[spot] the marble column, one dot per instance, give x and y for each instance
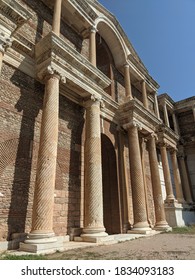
(93, 221)
(186, 182)
(5, 43)
(177, 178)
(137, 180)
(175, 123)
(156, 108)
(127, 78)
(161, 223)
(166, 115)
(42, 219)
(92, 46)
(167, 177)
(143, 152)
(57, 17)
(144, 94)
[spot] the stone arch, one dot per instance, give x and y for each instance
(111, 207)
(114, 39)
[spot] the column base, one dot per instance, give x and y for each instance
(94, 235)
(141, 228)
(44, 245)
(162, 226)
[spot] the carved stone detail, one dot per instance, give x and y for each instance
(5, 42)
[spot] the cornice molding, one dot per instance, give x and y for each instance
(12, 14)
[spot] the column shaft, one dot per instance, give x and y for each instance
(92, 46)
(127, 78)
(57, 17)
(144, 94)
(93, 225)
(186, 182)
(166, 115)
(167, 177)
(137, 181)
(156, 186)
(177, 178)
(156, 108)
(175, 124)
(42, 220)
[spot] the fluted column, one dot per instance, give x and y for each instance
(127, 78)
(92, 46)
(42, 219)
(156, 186)
(144, 94)
(93, 224)
(167, 177)
(137, 180)
(5, 42)
(184, 173)
(57, 17)
(177, 178)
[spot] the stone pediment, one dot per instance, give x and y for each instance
(52, 51)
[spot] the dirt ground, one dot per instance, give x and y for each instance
(159, 247)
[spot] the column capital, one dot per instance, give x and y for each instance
(93, 29)
(173, 150)
(5, 42)
(132, 124)
(126, 65)
(51, 71)
(163, 144)
(152, 135)
(94, 99)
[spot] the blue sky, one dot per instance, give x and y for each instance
(163, 34)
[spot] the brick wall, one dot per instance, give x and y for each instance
(20, 120)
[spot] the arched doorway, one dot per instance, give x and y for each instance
(110, 187)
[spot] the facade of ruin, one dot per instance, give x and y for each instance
(88, 148)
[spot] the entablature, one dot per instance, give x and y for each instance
(134, 110)
(79, 72)
(167, 136)
(13, 15)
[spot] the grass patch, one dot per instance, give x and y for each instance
(22, 257)
(183, 230)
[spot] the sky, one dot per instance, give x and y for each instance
(163, 34)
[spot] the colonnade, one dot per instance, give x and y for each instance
(42, 219)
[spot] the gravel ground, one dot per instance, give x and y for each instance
(159, 247)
